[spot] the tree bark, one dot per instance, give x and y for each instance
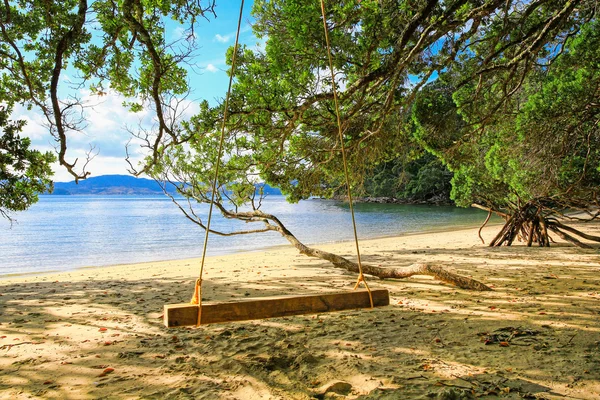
(554, 222)
(435, 271)
(569, 238)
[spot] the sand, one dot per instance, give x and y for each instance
(98, 333)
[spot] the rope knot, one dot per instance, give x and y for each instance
(197, 292)
(361, 278)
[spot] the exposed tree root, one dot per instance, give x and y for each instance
(531, 224)
(569, 238)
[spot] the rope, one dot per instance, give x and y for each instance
(197, 297)
(361, 277)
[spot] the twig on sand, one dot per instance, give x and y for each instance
(442, 383)
(569, 342)
(475, 383)
(10, 346)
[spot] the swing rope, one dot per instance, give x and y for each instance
(197, 297)
(361, 277)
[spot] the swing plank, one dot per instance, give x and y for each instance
(270, 307)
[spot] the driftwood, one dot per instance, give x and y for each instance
(11, 345)
(435, 271)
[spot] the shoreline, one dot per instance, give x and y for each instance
(98, 332)
(287, 246)
(159, 232)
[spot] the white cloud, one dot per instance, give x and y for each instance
(213, 65)
(228, 37)
(223, 39)
(106, 130)
(34, 123)
(211, 68)
(178, 33)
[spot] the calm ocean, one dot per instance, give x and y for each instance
(66, 232)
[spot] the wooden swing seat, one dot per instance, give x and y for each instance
(186, 314)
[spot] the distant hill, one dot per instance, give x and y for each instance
(118, 185)
(109, 185)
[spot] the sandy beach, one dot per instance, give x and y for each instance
(98, 332)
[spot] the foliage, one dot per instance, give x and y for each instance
(282, 110)
(103, 45)
(559, 125)
(422, 179)
(455, 77)
(441, 130)
(23, 172)
(541, 144)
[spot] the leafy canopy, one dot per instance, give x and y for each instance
(476, 53)
(541, 143)
(119, 45)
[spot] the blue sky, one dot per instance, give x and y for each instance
(214, 37)
(108, 121)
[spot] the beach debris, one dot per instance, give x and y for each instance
(504, 336)
(130, 354)
(452, 393)
(490, 384)
(11, 345)
(106, 371)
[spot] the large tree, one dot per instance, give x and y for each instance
(383, 54)
(190, 168)
(532, 157)
(282, 126)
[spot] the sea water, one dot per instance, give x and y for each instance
(66, 232)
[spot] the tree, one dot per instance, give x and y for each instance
(536, 157)
(103, 45)
(476, 55)
(383, 54)
(282, 127)
(23, 172)
(421, 179)
(190, 169)
(557, 129)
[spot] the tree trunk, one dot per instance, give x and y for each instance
(272, 223)
(435, 271)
